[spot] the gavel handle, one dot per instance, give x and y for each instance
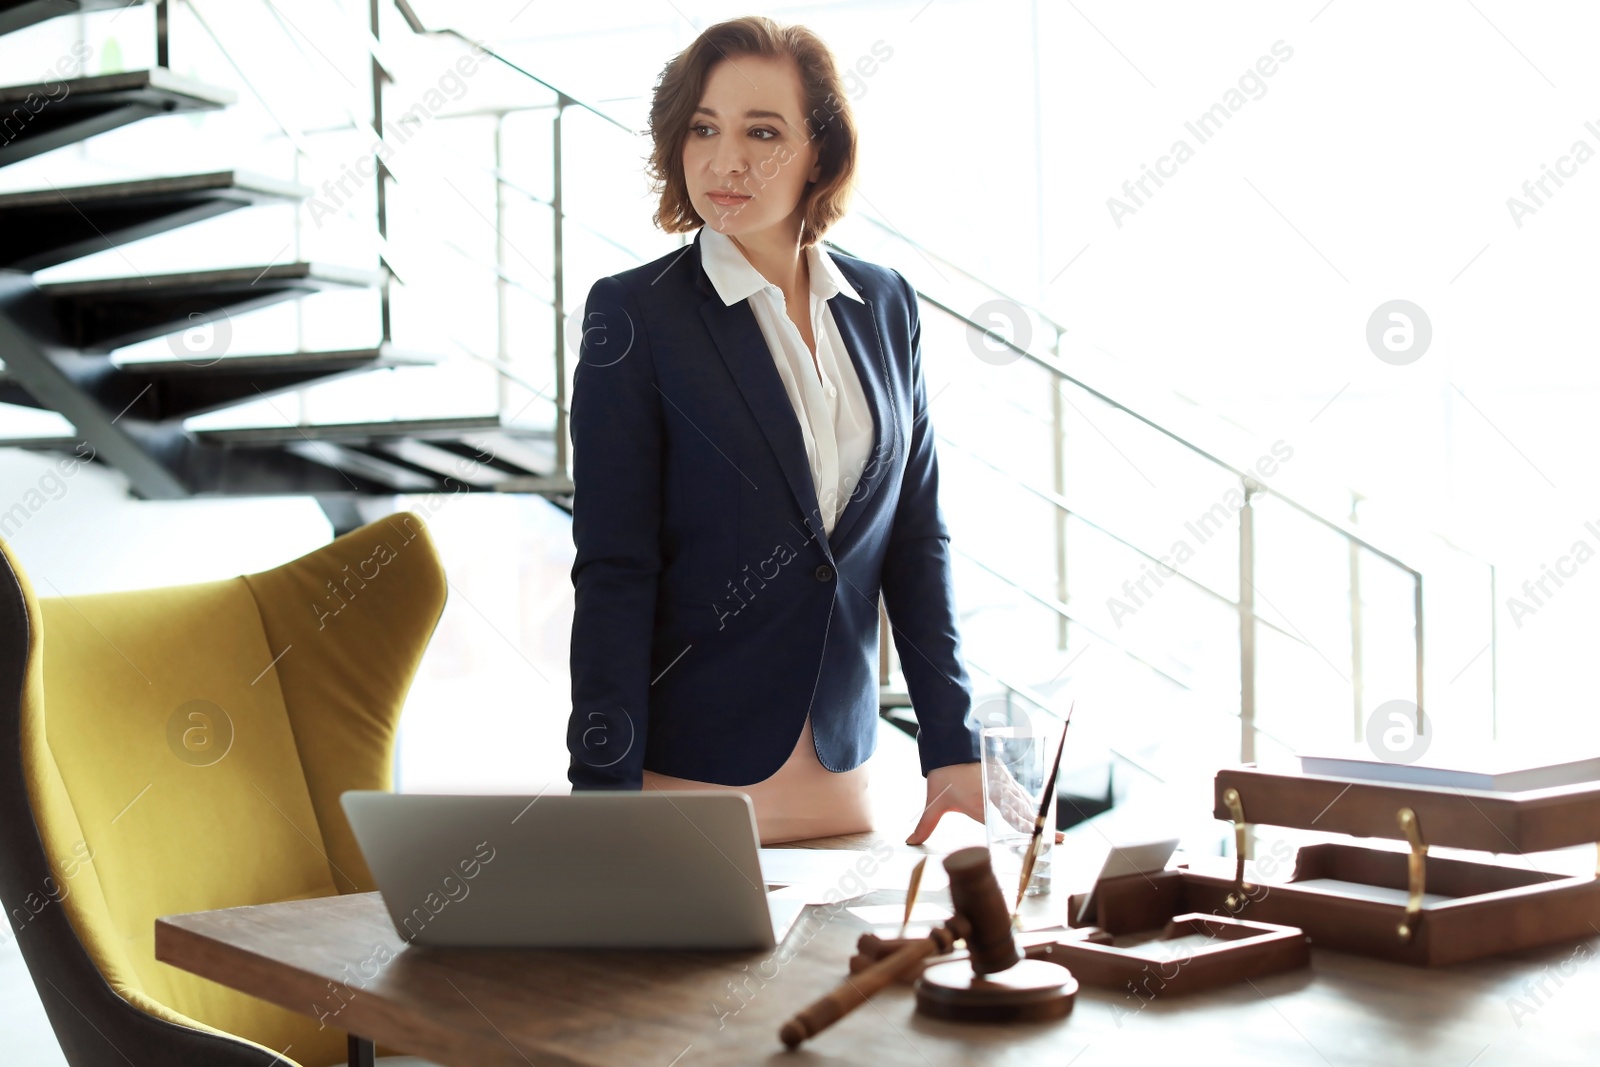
(853, 991)
(871, 949)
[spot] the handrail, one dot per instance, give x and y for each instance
(1044, 703)
(928, 253)
(295, 137)
(1052, 707)
(505, 369)
(1059, 503)
(528, 194)
(418, 27)
(1052, 604)
(1062, 375)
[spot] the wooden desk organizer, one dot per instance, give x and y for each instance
(1238, 948)
(1488, 908)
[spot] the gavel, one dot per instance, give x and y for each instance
(980, 918)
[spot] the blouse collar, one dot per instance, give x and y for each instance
(735, 279)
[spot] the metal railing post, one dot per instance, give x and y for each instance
(1058, 448)
(300, 416)
(1358, 724)
(502, 282)
(558, 285)
(1247, 625)
(380, 184)
(1494, 657)
(163, 45)
(1416, 614)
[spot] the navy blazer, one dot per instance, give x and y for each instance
(712, 612)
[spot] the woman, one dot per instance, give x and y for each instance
(753, 465)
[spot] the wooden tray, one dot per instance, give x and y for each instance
(1408, 907)
(1486, 908)
(1481, 909)
(1237, 949)
(1532, 821)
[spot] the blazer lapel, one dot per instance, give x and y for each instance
(744, 349)
(858, 327)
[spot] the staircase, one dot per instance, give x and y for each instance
(56, 338)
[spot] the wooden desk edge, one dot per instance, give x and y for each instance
(288, 987)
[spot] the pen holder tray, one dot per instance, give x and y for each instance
(1190, 952)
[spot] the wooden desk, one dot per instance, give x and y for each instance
(555, 1008)
(563, 1008)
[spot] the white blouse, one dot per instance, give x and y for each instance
(802, 799)
(835, 419)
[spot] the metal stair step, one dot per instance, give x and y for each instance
(100, 314)
(454, 454)
(517, 451)
(43, 443)
(17, 14)
(44, 227)
(386, 355)
(365, 458)
(164, 389)
(429, 459)
(176, 389)
(79, 108)
(448, 428)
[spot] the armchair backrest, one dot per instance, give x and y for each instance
(183, 749)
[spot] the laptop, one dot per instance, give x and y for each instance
(593, 869)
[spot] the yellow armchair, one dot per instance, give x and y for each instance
(182, 749)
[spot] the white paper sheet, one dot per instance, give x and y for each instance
(891, 914)
(813, 894)
(846, 869)
(1370, 892)
(805, 866)
(895, 873)
(1172, 948)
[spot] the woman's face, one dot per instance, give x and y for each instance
(749, 135)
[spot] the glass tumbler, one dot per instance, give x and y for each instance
(1016, 762)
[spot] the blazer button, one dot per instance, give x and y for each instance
(824, 573)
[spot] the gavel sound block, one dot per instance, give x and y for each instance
(996, 983)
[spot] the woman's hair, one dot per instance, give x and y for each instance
(829, 119)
